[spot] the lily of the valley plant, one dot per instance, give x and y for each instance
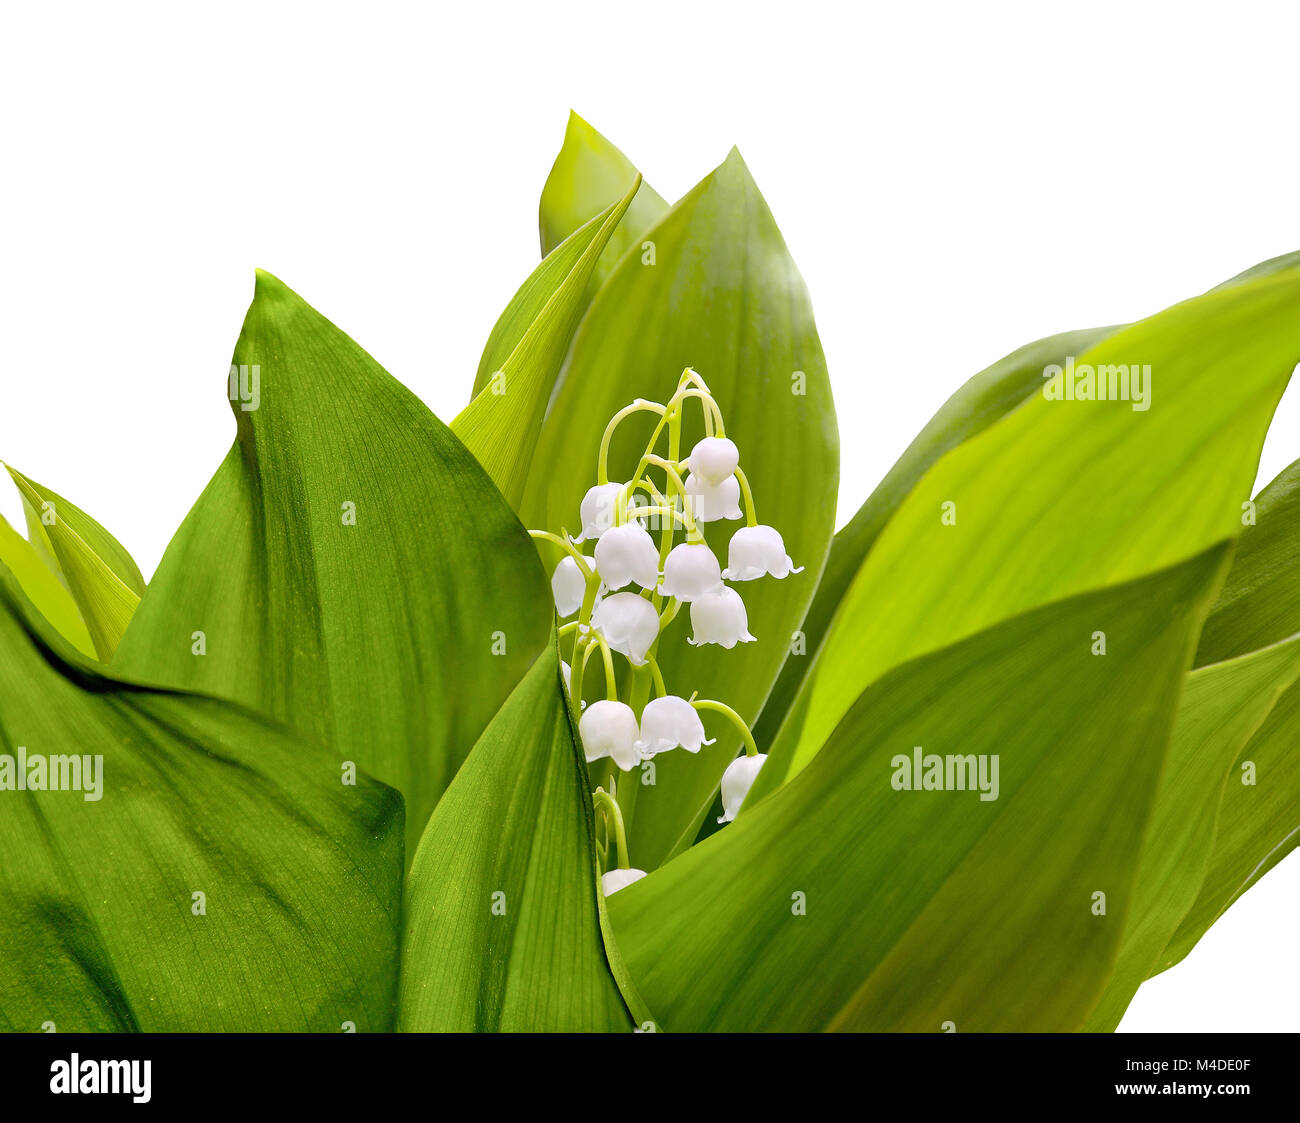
(532, 722)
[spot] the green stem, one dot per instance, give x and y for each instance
(564, 544)
(639, 406)
(750, 513)
(751, 748)
(676, 484)
(657, 675)
(603, 801)
(713, 426)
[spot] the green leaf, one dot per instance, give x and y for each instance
(724, 297)
(393, 638)
(43, 588)
(981, 401)
(100, 574)
(502, 930)
(1258, 820)
(300, 874)
(589, 175)
(532, 297)
(841, 902)
(1048, 501)
(1222, 706)
(500, 425)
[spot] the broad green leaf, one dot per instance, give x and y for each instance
(501, 424)
(1223, 704)
(502, 931)
(981, 401)
(842, 902)
(349, 570)
(1259, 817)
(589, 175)
(723, 297)
(1049, 500)
(102, 577)
(43, 588)
(299, 874)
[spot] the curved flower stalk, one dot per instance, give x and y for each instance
(630, 588)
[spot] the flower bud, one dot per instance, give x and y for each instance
(690, 572)
(720, 618)
(713, 459)
(597, 510)
(669, 722)
(614, 880)
(609, 728)
(755, 551)
(736, 782)
(627, 553)
(629, 624)
(568, 587)
(709, 503)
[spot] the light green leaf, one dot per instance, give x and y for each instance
(533, 296)
(349, 570)
(589, 175)
(841, 902)
(981, 401)
(501, 424)
(1258, 820)
(43, 588)
(1223, 704)
(102, 577)
(502, 930)
(724, 297)
(1048, 501)
(299, 875)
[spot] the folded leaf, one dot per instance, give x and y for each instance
(846, 900)
(501, 424)
(982, 400)
(102, 577)
(349, 570)
(533, 296)
(43, 588)
(199, 870)
(588, 176)
(723, 296)
(1047, 502)
(1258, 820)
(1222, 705)
(502, 931)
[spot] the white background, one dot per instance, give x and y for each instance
(953, 179)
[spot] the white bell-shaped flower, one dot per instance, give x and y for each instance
(713, 459)
(755, 551)
(627, 553)
(720, 618)
(670, 722)
(609, 729)
(614, 880)
(709, 503)
(566, 676)
(597, 510)
(568, 586)
(690, 572)
(629, 624)
(736, 782)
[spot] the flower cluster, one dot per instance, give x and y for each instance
(630, 588)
